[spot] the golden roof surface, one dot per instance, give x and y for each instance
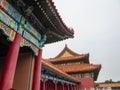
(109, 85)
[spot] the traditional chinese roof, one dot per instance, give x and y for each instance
(52, 23)
(104, 85)
(53, 68)
(68, 55)
(78, 67)
(81, 68)
(68, 58)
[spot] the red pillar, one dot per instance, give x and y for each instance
(37, 71)
(77, 87)
(68, 87)
(44, 82)
(74, 87)
(10, 64)
(55, 86)
(71, 87)
(63, 87)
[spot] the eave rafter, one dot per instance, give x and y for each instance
(46, 12)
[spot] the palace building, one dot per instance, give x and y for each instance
(77, 66)
(25, 27)
(109, 86)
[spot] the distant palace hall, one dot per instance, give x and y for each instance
(25, 27)
(76, 66)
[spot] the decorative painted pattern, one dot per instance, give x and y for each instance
(7, 31)
(19, 28)
(11, 11)
(14, 20)
(20, 19)
(32, 31)
(30, 38)
(24, 42)
(7, 20)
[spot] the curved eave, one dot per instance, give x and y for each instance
(74, 56)
(46, 12)
(68, 30)
(66, 49)
(51, 67)
(69, 59)
(81, 68)
(97, 73)
(57, 30)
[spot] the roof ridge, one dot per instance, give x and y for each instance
(70, 51)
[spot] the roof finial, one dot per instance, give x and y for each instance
(65, 45)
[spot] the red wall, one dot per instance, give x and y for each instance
(86, 83)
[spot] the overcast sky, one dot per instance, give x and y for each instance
(96, 24)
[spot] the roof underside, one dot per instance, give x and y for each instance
(46, 13)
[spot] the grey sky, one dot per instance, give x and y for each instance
(97, 31)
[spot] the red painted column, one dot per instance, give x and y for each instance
(68, 87)
(10, 64)
(71, 87)
(37, 71)
(77, 87)
(74, 87)
(55, 86)
(63, 87)
(44, 82)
